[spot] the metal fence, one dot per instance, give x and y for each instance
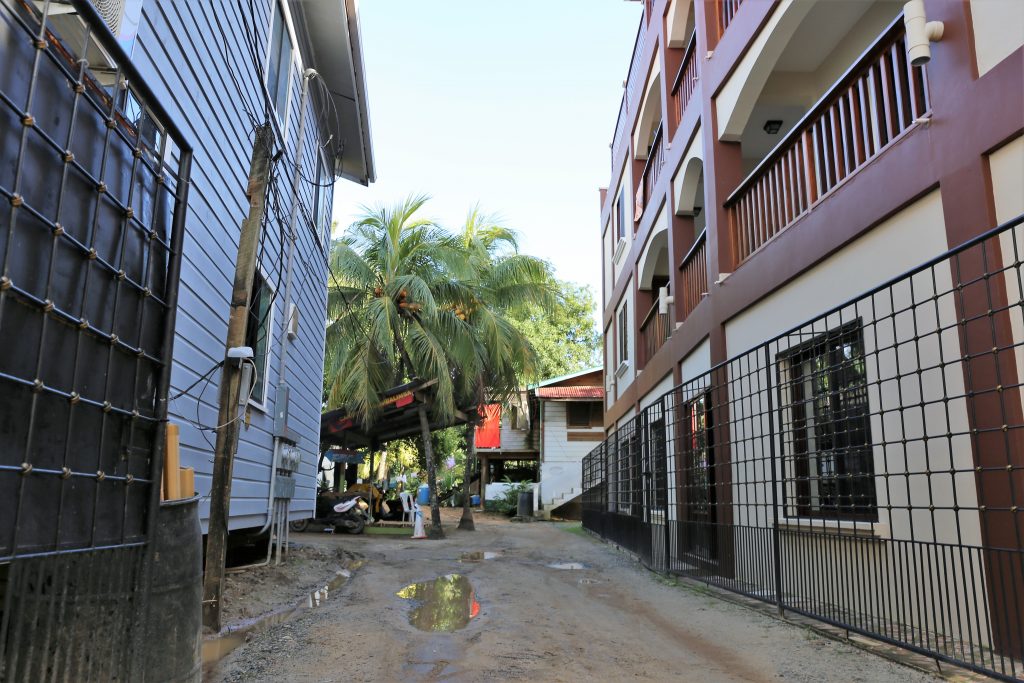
(93, 183)
(865, 468)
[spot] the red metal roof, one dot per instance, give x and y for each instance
(592, 393)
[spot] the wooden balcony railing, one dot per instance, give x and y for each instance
(877, 99)
(685, 83)
(694, 277)
(652, 171)
(654, 330)
(632, 92)
(726, 11)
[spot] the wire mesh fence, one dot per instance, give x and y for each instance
(865, 468)
(93, 176)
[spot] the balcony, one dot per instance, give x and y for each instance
(633, 85)
(685, 83)
(654, 331)
(652, 171)
(726, 10)
(866, 110)
(694, 277)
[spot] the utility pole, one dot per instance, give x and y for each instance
(227, 418)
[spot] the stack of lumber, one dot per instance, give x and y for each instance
(178, 482)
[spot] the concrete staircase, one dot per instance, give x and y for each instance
(558, 501)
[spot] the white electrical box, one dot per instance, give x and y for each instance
(293, 321)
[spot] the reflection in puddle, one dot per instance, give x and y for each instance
(568, 565)
(478, 556)
(445, 604)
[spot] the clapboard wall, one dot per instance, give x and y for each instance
(195, 57)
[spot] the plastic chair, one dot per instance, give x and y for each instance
(408, 507)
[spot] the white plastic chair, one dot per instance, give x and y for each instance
(408, 507)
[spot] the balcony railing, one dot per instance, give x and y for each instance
(877, 99)
(654, 330)
(652, 171)
(648, 10)
(694, 276)
(726, 11)
(629, 97)
(686, 81)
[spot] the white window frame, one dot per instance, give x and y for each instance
(264, 405)
(323, 231)
(294, 64)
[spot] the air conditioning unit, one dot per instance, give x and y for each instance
(121, 17)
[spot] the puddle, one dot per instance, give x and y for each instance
(447, 603)
(478, 556)
(568, 565)
(219, 646)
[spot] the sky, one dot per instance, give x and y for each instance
(509, 103)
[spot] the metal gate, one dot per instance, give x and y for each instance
(93, 184)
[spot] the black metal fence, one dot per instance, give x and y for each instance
(93, 183)
(865, 468)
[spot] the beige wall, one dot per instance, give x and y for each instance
(1007, 167)
(998, 27)
(912, 350)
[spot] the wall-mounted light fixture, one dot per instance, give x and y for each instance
(920, 32)
(772, 127)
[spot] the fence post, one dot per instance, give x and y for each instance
(776, 540)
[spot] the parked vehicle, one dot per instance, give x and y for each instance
(347, 512)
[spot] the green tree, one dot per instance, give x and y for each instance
(563, 334)
(502, 282)
(391, 306)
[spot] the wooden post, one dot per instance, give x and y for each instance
(227, 434)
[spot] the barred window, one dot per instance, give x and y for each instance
(828, 465)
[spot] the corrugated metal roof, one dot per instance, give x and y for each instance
(592, 393)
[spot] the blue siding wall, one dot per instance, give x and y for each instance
(195, 57)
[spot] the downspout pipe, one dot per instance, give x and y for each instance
(293, 215)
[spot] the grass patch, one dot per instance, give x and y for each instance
(388, 531)
(574, 528)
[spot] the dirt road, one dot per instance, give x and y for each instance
(607, 620)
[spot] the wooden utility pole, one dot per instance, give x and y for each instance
(227, 418)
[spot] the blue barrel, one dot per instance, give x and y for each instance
(474, 500)
(423, 495)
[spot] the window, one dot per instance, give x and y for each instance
(322, 207)
(257, 334)
(623, 334)
(829, 470)
(280, 67)
(698, 535)
(585, 414)
(620, 216)
(659, 465)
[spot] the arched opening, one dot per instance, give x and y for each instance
(653, 273)
(679, 24)
(649, 120)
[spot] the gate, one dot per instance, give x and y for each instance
(93, 186)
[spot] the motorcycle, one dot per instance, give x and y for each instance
(347, 512)
(349, 515)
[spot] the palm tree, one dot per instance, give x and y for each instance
(390, 309)
(502, 281)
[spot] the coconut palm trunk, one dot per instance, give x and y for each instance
(435, 530)
(467, 522)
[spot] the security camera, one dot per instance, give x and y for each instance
(920, 33)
